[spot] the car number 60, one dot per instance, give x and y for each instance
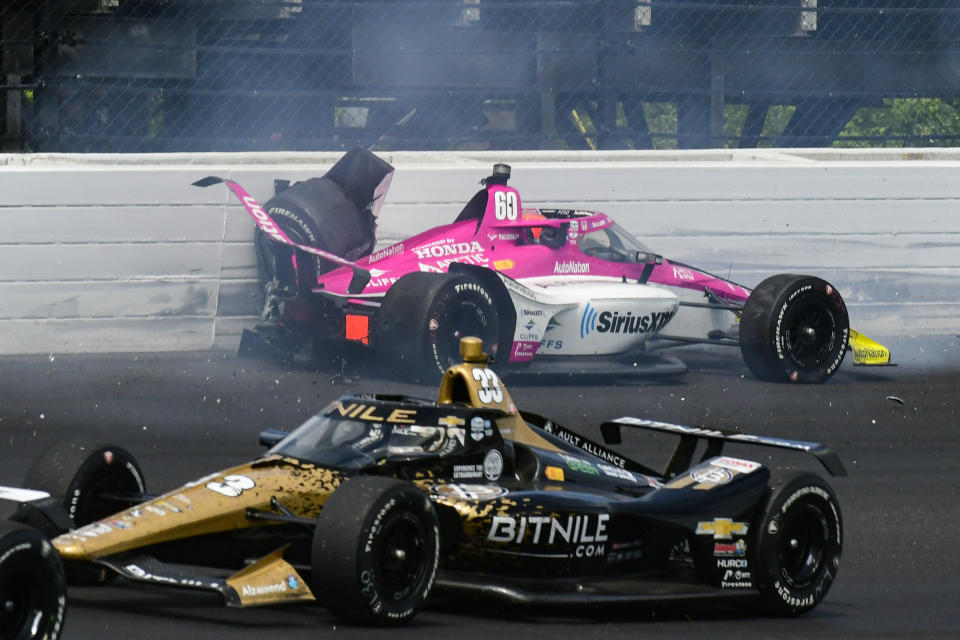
(505, 205)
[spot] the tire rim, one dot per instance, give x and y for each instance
(467, 320)
(21, 613)
(400, 561)
(809, 335)
(803, 547)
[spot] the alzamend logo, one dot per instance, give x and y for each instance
(264, 590)
(614, 322)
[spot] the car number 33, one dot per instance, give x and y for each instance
(490, 391)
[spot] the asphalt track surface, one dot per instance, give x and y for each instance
(185, 415)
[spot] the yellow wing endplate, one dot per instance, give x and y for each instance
(269, 580)
(868, 352)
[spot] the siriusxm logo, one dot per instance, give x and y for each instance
(589, 321)
(615, 322)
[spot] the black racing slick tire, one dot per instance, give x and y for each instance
(93, 480)
(33, 589)
(375, 552)
(796, 545)
(794, 329)
(315, 213)
(424, 315)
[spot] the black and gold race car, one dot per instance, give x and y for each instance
(376, 500)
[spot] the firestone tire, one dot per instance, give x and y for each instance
(375, 552)
(424, 315)
(88, 478)
(33, 589)
(317, 213)
(300, 213)
(81, 474)
(794, 329)
(796, 545)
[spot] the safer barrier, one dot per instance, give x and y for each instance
(114, 253)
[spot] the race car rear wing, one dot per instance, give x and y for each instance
(682, 458)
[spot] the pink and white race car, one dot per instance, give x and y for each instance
(547, 290)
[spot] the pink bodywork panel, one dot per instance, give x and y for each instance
(496, 244)
(505, 239)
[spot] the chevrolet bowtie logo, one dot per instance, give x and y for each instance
(721, 528)
(451, 421)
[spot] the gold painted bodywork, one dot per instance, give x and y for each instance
(269, 580)
(221, 502)
(215, 503)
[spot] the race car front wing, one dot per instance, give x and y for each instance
(269, 580)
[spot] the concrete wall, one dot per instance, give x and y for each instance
(121, 253)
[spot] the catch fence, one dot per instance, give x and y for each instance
(224, 75)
